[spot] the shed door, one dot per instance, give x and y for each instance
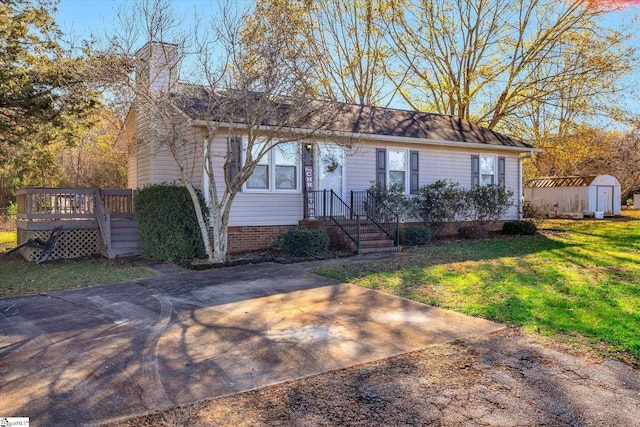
(604, 201)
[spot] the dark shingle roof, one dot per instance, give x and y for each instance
(415, 124)
(368, 120)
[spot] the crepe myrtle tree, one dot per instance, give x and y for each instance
(249, 84)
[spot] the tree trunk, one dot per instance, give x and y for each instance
(220, 231)
(204, 231)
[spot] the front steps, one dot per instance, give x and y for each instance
(372, 239)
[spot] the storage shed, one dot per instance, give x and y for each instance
(575, 195)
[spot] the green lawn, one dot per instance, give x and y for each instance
(19, 277)
(579, 279)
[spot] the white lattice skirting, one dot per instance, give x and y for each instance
(74, 243)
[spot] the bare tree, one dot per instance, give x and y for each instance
(247, 84)
(489, 61)
(342, 38)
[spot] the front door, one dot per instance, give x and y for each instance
(330, 172)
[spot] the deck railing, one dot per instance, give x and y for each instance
(104, 219)
(55, 204)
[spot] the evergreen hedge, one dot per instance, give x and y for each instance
(168, 224)
(415, 236)
(527, 228)
(305, 242)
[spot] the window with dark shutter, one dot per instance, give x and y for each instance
(501, 171)
(475, 171)
(414, 169)
(234, 156)
(381, 167)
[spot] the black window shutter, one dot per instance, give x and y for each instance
(414, 181)
(475, 171)
(381, 167)
(501, 171)
(234, 153)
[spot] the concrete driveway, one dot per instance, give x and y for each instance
(98, 354)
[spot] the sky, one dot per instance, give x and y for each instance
(84, 17)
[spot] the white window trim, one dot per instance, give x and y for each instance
(271, 168)
(495, 168)
(407, 168)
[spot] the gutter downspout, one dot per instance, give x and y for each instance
(520, 183)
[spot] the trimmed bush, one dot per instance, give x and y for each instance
(305, 242)
(415, 236)
(168, 225)
(438, 203)
(525, 228)
(487, 202)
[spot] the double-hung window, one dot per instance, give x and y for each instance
(286, 165)
(487, 170)
(277, 170)
(259, 180)
(398, 168)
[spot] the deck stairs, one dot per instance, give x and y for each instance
(125, 238)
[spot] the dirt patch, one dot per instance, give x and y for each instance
(506, 378)
(256, 257)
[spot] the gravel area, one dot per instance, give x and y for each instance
(504, 379)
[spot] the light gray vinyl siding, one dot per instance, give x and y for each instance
(284, 208)
(435, 163)
(266, 209)
(144, 158)
(257, 208)
(132, 169)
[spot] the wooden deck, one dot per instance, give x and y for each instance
(94, 220)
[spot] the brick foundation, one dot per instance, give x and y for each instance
(451, 228)
(249, 238)
(337, 239)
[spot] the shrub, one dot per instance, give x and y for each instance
(392, 197)
(12, 209)
(526, 228)
(168, 225)
(438, 203)
(414, 236)
(305, 242)
(487, 202)
(531, 212)
(472, 232)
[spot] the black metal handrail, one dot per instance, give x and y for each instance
(366, 204)
(326, 204)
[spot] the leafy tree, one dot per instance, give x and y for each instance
(43, 99)
(92, 161)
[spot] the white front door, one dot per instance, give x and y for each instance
(330, 168)
(330, 172)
